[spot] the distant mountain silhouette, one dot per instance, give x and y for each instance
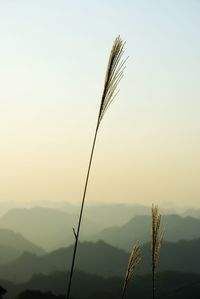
(104, 260)
(56, 226)
(170, 285)
(111, 214)
(180, 256)
(115, 214)
(138, 228)
(12, 245)
(48, 228)
(96, 258)
(192, 212)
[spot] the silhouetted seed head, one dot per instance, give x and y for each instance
(134, 259)
(113, 76)
(157, 237)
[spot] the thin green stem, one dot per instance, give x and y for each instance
(76, 234)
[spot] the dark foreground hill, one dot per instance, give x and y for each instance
(176, 228)
(104, 260)
(170, 285)
(30, 294)
(12, 245)
(180, 256)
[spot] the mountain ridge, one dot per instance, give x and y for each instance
(170, 285)
(45, 227)
(12, 244)
(176, 228)
(103, 259)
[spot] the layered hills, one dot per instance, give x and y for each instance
(170, 285)
(139, 228)
(13, 244)
(46, 227)
(104, 260)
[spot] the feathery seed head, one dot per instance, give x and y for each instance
(134, 259)
(113, 76)
(157, 237)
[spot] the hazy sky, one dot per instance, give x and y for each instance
(53, 57)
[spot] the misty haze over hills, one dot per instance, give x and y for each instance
(46, 227)
(104, 260)
(53, 59)
(12, 245)
(175, 227)
(51, 229)
(124, 208)
(110, 231)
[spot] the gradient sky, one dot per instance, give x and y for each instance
(53, 58)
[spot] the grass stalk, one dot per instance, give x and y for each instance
(113, 76)
(156, 240)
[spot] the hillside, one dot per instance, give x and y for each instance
(12, 245)
(170, 285)
(115, 214)
(192, 212)
(48, 228)
(56, 226)
(104, 260)
(180, 256)
(111, 214)
(96, 258)
(176, 228)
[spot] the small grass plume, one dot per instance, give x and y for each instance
(113, 76)
(134, 259)
(156, 240)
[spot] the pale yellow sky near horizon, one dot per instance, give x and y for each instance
(53, 62)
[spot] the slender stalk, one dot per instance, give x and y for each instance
(113, 76)
(81, 214)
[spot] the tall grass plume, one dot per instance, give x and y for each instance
(114, 74)
(156, 240)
